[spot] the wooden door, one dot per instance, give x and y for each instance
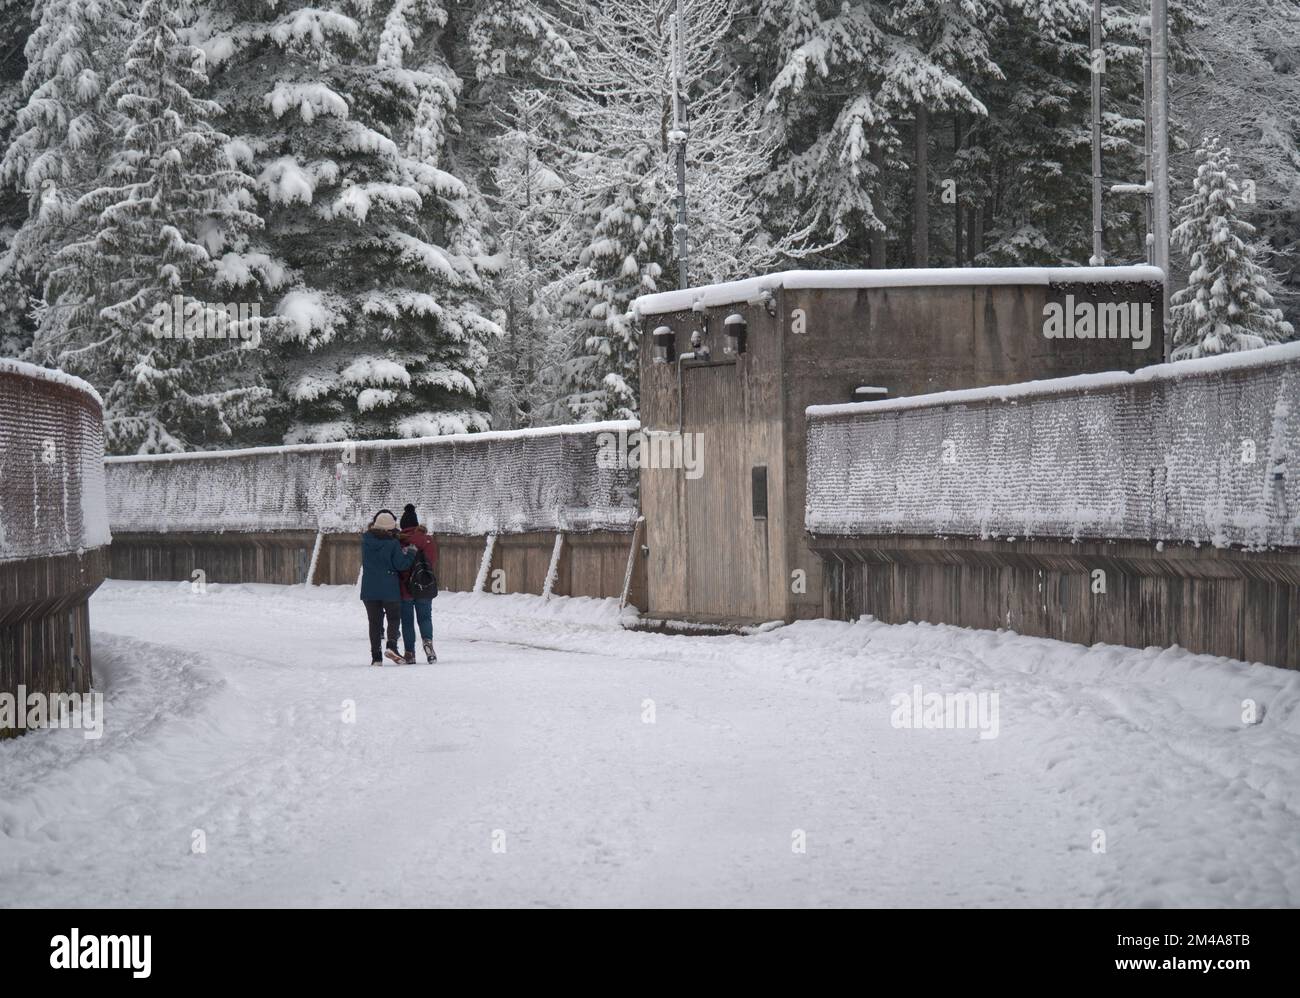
(726, 546)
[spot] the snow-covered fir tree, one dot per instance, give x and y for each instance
(852, 89)
(1244, 86)
(1035, 205)
(1227, 305)
(420, 244)
(15, 28)
(60, 138)
(516, 50)
(169, 205)
(344, 112)
(531, 362)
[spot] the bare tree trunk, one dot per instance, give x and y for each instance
(921, 194)
(878, 235)
(956, 205)
(523, 407)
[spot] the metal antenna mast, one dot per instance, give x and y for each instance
(1160, 138)
(677, 137)
(1098, 65)
(1147, 187)
(1150, 239)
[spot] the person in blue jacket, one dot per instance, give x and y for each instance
(382, 558)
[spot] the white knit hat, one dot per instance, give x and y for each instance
(384, 521)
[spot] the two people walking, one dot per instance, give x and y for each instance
(398, 585)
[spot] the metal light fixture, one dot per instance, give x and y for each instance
(736, 329)
(702, 314)
(665, 348)
(766, 299)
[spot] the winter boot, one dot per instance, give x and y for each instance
(410, 658)
(378, 661)
(393, 655)
(429, 655)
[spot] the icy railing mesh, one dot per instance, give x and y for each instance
(509, 482)
(1194, 452)
(51, 465)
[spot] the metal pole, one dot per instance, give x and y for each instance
(1098, 67)
(1149, 237)
(1146, 187)
(678, 138)
(1160, 140)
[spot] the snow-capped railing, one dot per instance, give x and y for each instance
(51, 464)
(1202, 451)
(476, 483)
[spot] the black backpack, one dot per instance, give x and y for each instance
(422, 583)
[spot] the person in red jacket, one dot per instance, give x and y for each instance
(414, 536)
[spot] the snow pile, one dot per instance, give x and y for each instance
(1195, 451)
(51, 464)
(476, 483)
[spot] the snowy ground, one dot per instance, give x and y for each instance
(531, 733)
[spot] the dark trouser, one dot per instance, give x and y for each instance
(377, 610)
(413, 610)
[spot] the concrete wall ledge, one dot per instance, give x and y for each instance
(37, 587)
(1222, 601)
(590, 563)
(1133, 557)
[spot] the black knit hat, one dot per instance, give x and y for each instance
(409, 519)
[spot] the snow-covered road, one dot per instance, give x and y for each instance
(552, 758)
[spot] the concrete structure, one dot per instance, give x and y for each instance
(53, 530)
(1155, 508)
(729, 546)
(495, 501)
(589, 563)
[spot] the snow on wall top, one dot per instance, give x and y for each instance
(8, 366)
(1197, 452)
(1281, 353)
(752, 287)
(477, 483)
(52, 497)
(360, 445)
